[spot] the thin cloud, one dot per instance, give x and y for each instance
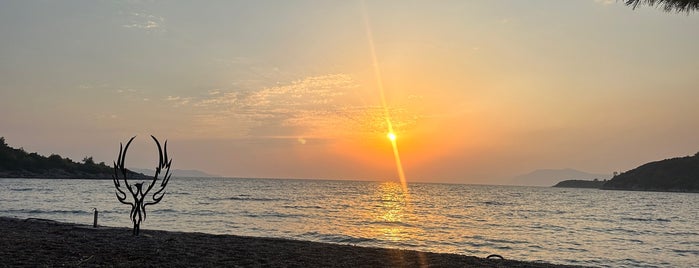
(316, 107)
(605, 2)
(178, 101)
(144, 21)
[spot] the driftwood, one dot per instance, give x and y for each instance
(139, 201)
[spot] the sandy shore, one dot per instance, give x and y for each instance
(43, 243)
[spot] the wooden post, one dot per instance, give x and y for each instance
(94, 222)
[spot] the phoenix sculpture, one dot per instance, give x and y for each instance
(141, 196)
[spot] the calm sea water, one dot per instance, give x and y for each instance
(565, 226)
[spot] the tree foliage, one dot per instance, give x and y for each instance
(676, 174)
(668, 5)
(17, 161)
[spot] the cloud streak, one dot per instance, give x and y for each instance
(147, 22)
(316, 107)
(605, 2)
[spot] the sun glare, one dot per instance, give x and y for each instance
(387, 115)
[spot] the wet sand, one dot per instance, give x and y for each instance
(45, 243)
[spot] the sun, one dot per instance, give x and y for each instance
(391, 136)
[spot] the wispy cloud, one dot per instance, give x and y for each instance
(178, 101)
(144, 21)
(605, 2)
(314, 107)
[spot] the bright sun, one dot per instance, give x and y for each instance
(391, 136)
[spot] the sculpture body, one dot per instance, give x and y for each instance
(140, 197)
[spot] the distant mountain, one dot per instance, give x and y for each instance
(679, 174)
(182, 173)
(549, 177)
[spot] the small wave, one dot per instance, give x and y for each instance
(302, 207)
(22, 189)
(205, 212)
(338, 238)
(388, 223)
(247, 198)
(572, 249)
(623, 230)
(506, 241)
(476, 245)
(273, 215)
(33, 211)
(39, 211)
(646, 219)
(166, 210)
(681, 233)
(70, 212)
(535, 247)
(684, 252)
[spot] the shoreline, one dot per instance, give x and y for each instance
(40, 242)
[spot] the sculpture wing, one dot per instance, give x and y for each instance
(120, 174)
(163, 164)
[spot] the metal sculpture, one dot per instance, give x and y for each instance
(138, 206)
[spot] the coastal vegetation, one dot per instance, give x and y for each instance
(680, 174)
(17, 163)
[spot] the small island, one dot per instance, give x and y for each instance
(594, 184)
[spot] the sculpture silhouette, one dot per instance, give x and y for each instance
(138, 206)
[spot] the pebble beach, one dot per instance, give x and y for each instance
(45, 243)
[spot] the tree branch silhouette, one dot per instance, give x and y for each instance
(667, 5)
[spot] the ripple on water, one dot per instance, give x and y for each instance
(21, 189)
(246, 198)
(686, 252)
(338, 238)
(645, 219)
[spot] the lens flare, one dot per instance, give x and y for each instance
(391, 136)
(387, 115)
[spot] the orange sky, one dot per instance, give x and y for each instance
(477, 91)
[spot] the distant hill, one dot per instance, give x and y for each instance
(549, 177)
(16, 163)
(181, 173)
(676, 175)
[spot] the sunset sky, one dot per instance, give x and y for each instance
(476, 91)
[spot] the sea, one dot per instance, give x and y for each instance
(586, 227)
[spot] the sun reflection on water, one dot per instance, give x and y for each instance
(390, 217)
(393, 202)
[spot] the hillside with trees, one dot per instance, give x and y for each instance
(679, 174)
(17, 163)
